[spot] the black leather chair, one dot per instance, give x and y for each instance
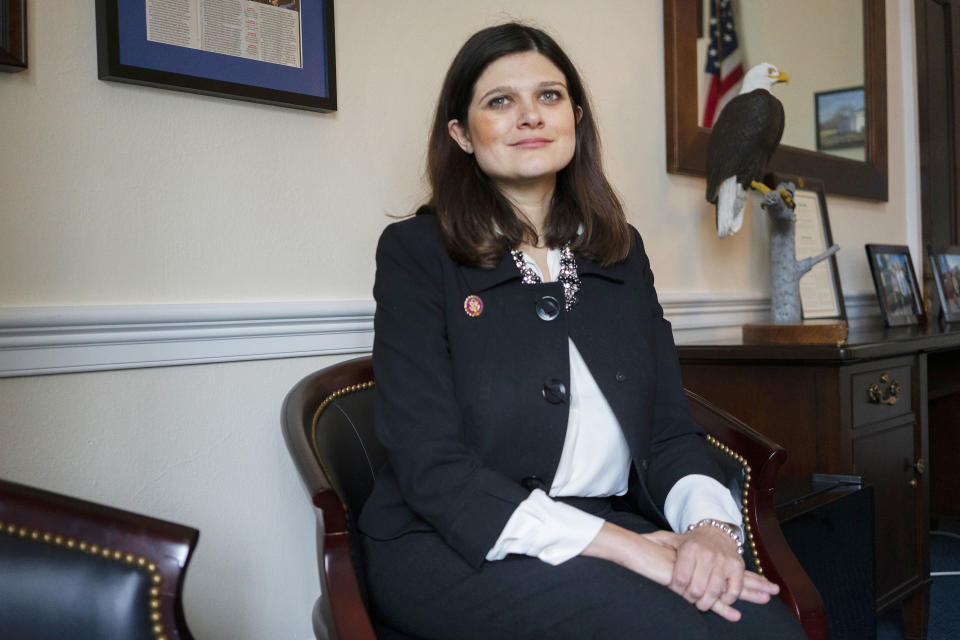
(79, 570)
(328, 427)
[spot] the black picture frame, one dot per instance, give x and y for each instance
(812, 190)
(945, 266)
(895, 281)
(13, 35)
(840, 118)
(125, 54)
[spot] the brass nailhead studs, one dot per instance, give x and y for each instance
(747, 477)
(105, 552)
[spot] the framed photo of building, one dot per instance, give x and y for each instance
(841, 118)
(896, 283)
(278, 52)
(945, 265)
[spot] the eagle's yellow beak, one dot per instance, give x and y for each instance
(781, 77)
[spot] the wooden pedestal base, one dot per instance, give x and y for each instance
(810, 332)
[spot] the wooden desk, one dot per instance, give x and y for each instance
(815, 401)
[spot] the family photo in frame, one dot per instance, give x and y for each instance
(945, 266)
(901, 302)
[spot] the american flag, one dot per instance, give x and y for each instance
(724, 64)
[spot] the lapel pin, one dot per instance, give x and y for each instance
(473, 305)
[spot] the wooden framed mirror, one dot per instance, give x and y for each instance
(687, 140)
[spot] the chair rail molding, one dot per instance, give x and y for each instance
(43, 340)
(70, 339)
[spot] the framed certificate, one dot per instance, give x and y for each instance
(278, 52)
(820, 293)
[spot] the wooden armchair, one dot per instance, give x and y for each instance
(328, 427)
(80, 570)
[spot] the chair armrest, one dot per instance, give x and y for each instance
(340, 586)
(762, 458)
(80, 542)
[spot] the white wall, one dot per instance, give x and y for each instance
(116, 194)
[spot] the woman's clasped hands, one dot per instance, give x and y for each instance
(702, 565)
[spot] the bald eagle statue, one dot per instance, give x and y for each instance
(744, 137)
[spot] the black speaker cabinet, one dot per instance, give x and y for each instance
(828, 523)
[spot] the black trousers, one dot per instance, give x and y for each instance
(422, 587)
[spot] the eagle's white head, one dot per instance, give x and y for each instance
(763, 76)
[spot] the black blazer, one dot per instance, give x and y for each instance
(473, 411)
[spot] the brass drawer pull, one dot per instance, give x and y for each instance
(876, 395)
(920, 466)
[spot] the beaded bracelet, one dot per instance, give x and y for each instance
(728, 529)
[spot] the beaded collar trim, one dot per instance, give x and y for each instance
(568, 277)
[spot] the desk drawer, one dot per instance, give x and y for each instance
(881, 394)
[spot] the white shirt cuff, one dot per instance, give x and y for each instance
(546, 529)
(695, 497)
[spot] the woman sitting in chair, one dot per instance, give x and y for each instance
(528, 392)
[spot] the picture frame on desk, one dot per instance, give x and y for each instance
(821, 295)
(13, 35)
(280, 55)
(945, 266)
(895, 281)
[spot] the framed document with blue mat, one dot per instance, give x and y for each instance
(278, 52)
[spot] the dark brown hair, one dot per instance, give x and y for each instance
(479, 224)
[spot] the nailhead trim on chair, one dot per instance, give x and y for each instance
(106, 553)
(748, 530)
(316, 418)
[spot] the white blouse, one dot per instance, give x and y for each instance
(595, 462)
